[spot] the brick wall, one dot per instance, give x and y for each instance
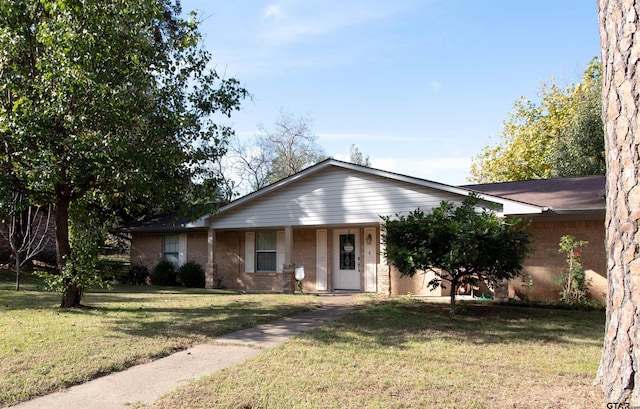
(416, 285)
(304, 254)
(197, 248)
(542, 265)
(146, 249)
(229, 253)
(546, 262)
(231, 270)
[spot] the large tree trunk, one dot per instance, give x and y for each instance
(71, 294)
(619, 371)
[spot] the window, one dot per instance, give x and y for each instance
(171, 251)
(266, 250)
(347, 256)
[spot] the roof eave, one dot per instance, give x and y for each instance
(510, 207)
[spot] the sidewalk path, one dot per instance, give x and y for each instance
(147, 382)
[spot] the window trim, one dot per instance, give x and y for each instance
(251, 251)
(273, 251)
(173, 253)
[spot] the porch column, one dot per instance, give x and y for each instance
(288, 244)
(288, 278)
(288, 268)
(211, 272)
(384, 269)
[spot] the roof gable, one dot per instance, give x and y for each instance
(335, 192)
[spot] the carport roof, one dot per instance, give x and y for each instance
(577, 193)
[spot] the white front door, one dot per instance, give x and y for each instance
(346, 256)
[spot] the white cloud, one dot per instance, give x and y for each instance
(298, 21)
(271, 35)
(435, 85)
(273, 10)
(366, 137)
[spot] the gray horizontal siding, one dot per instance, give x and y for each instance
(332, 196)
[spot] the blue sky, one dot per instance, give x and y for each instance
(419, 85)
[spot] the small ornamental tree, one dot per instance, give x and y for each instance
(460, 245)
(573, 279)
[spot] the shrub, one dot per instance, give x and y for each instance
(572, 279)
(137, 275)
(191, 275)
(163, 274)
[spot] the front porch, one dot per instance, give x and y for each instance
(333, 258)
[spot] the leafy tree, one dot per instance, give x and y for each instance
(458, 244)
(560, 136)
(108, 102)
(619, 370)
(290, 147)
(579, 151)
(358, 158)
(81, 270)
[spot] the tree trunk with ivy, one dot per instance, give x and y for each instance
(71, 294)
(619, 371)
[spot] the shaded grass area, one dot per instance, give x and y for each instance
(410, 354)
(44, 348)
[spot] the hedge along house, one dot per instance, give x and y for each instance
(326, 221)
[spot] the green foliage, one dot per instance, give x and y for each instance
(137, 275)
(82, 269)
(191, 275)
(108, 102)
(573, 280)
(163, 274)
(458, 244)
(561, 135)
(580, 149)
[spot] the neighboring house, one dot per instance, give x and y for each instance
(326, 221)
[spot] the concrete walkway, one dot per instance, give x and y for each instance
(146, 383)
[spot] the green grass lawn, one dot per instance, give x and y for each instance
(410, 354)
(44, 348)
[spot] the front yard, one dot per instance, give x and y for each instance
(409, 354)
(44, 348)
(400, 353)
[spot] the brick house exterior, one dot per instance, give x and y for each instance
(326, 221)
(573, 206)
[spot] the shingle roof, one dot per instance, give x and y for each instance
(577, 193)
(166, 222)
